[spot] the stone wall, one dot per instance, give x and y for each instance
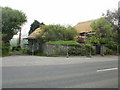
(52, 49)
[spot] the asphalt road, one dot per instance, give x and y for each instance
(59, 72)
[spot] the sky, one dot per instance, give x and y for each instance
(63, 12)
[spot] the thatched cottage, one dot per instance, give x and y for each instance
(35, 44)
(83, 28)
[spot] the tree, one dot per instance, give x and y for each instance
(57, 32)
(104, 35)
(113, 17)
(36, 24)
(12, 20)
(104, 31)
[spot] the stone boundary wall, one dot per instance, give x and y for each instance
(52, 49)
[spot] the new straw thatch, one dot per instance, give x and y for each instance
(34, 34)
(84, 27)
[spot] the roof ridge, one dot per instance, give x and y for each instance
(87, 21)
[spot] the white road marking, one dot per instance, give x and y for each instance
(102, 70)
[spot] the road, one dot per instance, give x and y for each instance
(60, 72)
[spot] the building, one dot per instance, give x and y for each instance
(35, 44)
(84, 29)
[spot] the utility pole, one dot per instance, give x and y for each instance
(19, 39)
(117, 50)
(90, 54)
(118, 26)
(90, 50)
(67, 52)
(47, 49)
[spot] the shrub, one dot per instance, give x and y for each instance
(57, 32)
(81, 50)
(80, 39)
(63, 43)
(26, 51)
(5, 49)
(109, 52)
(16, 48)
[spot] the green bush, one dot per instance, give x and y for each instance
(74, 51)
(57, 32)
(83, 50)
(109, 52)
(61, 42)
(5, 49)
(16, 48)
(25, 51)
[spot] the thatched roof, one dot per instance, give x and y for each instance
(80, 27)
(84, 26)
(34, 34)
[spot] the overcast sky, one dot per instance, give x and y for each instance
(64, 12)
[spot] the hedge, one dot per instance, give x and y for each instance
(63, 42)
